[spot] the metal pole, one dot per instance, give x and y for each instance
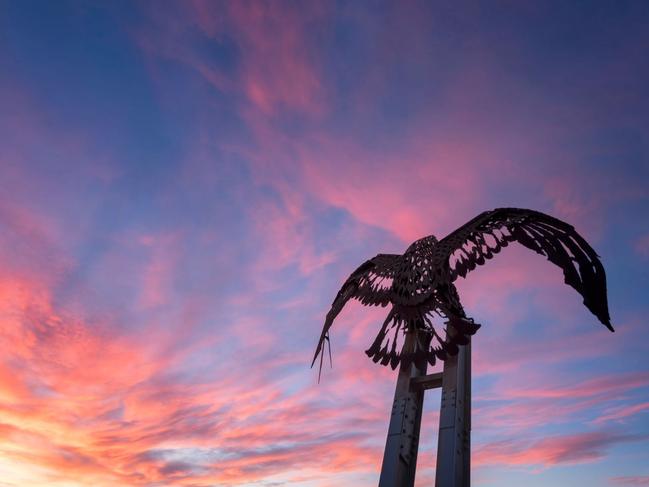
(400, 456)
(454, 437)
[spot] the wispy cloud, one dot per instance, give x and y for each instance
(546, 452)
(630, 480)
(186, 185)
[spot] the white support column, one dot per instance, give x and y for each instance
(400, 456)
(454, 437)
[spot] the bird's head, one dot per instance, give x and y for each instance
(429, 241)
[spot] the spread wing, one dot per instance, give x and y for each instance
(484, 236)
(370, 284)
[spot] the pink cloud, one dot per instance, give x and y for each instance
(119, 401)
(546, 452)
(641, 246)
(99, 422)
(569, 202)
(609, 384)
(622, 413)
(286, 236)
(630, 480)
(157, 275)
(278, 70)
(509, 408)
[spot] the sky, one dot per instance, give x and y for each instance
(184, 186)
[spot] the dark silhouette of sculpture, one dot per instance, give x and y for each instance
(419, 284)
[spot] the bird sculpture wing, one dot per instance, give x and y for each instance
(484, 236)
(370, 284)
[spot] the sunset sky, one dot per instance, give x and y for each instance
(185, 185)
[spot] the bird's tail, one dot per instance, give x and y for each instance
(388, 346)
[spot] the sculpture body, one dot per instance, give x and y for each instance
(418, 287)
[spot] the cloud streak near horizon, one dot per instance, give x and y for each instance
(184, 186)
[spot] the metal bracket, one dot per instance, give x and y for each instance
(425, 382)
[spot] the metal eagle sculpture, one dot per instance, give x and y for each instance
(419, 284)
